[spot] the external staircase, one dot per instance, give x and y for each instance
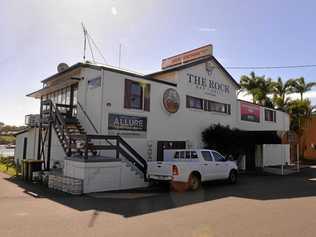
(77, 143)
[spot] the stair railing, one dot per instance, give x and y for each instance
(120, 146)
(90, 121)
(88, 118)
(58, 120)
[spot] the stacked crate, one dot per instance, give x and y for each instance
(65, 184)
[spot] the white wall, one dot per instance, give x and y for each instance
(184, 125)
(57, 153)
(103, 176)
(32, 141)
(282, 121)
(276, 154)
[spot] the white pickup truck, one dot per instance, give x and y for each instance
(192, 167)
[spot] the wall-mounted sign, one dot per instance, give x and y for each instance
(127, 125)
(249, 112)
(94, 83)
(212, 87)
(171, 100)
(187, 56)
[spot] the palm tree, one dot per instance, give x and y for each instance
(300, 86)
(259, 87)
(280, 90)
(300, 113)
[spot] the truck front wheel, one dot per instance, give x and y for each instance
(194, 182)
(232, 177)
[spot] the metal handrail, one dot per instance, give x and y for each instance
(87, 116)
(137, 160)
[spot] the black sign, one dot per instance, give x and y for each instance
(127, 123)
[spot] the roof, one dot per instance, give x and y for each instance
(149, 77)
(22, 131)
(196, 62)
(99, 66)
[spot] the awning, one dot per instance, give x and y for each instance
(46, 90)
(59, 81)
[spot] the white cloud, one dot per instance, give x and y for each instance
(244, 96)
(207, 29)
(114, 11)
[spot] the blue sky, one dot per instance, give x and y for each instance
(37, 35)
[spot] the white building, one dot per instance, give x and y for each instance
(148, 113)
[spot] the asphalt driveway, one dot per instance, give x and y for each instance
(259, 205)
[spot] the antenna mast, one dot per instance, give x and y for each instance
(120, 51)
(89, 39)
(84, 41)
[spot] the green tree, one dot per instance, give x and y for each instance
(300, 86)
(258, 87)
(300, 113)
(280, 90)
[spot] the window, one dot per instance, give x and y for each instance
(213, 106)
(194, 103)
(270, 115)
(207, 105)
(194, 155)
(137, 95)
(218, 157)
(207, 155)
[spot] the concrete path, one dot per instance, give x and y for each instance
(256, 206)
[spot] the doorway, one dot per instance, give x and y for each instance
(250, 158)
(24, 148)
(168, 145)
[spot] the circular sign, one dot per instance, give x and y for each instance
(171, 100)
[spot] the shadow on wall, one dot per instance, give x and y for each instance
(139, 202)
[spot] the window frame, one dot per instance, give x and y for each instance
(220, 155)
(206, 105)
(190, 106)
(211, 156)
(143, 96)
(139, 96)
(273, 112)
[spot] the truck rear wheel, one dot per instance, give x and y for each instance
(194, 182)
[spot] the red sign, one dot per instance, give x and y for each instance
(249, 112)
(187, 56)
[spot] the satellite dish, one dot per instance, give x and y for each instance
(62, 67)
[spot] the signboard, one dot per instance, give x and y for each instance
(187, 56)
(210, 86)
(171, 100)
(127, 125)
(249, 112)
(94, 83)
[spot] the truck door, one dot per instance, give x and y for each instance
(207, 163)
(221, 167)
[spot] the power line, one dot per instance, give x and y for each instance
(273, 67)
